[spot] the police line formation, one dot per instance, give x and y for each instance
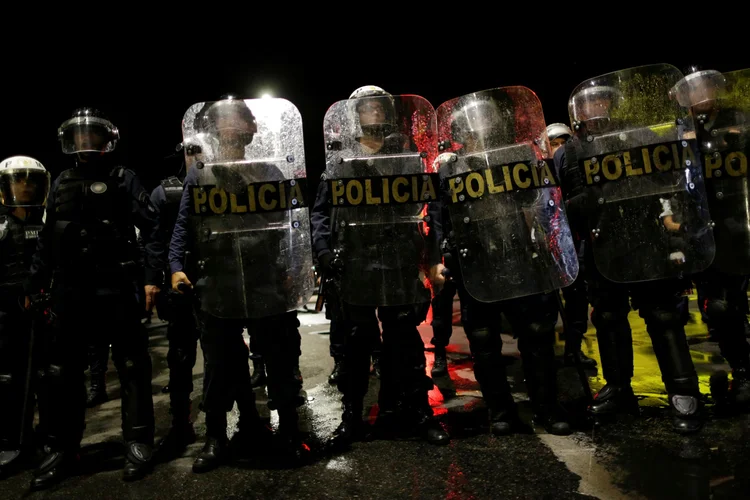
(646, 190)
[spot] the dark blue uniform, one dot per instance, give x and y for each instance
(182, 331)
(402, 360)
(17, 244)
(227, 371)
(657, 302)
(87, 256)
(532, 319)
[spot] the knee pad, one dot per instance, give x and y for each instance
(717, 308)
(604, 320)
(663, 318)
(483, 339)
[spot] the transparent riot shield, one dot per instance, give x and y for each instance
(379, 151)
(636, 154)
(250, 220)
(506, 211)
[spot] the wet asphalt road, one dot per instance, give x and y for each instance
(634, 458)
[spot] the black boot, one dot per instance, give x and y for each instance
(351, 428)
(686, 417)
(586, 362)
(252, 436)
(259, 373)
(55, 467)
(211, 456)
(333, 378)
(504, 422)
(553, 419)
(97, 393)
(440, 365)
(430, 429)
(740, 391)
(181, 434)
(138, 461)
(214, 451)
(613, 400)
(294, 452)
(10, 462)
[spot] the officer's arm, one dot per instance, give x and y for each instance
(178, 244)
(434, 222)
(41, 261)
(144, 216)
(321, 221)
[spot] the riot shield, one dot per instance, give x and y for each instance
(249, 217)
(505, 205)
(720, 106)
(636, 156)
(379, 151)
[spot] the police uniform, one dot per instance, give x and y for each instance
(182, 331)
(17, 244)
(86, 256)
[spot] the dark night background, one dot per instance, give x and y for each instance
(146, 94)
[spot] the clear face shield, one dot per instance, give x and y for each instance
(88, 134)
(24, 187)
(593, 108)
(479, 126)
(699, 91)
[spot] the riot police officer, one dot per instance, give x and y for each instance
(371, 257)
(576, 303)
(503, 220)
(86, 256)
(182, 330)
(243, 217)
(623, 192)
(719, 105)
(24, 184)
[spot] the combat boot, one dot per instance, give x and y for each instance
(214, 451)
(259, 373)
(686, 417)
(440, 365)
(138, 461)
(56, 466)
(613, 400)
(97, 392)
(740, 391)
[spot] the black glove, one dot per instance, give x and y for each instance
(326, 264)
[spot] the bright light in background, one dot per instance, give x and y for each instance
(266, 95)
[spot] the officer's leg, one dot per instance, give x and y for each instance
(259, 365)
(404, 351)
(658, 304)
(481, 323)
(218, 340)
(98, 356)
(131, 358)
(533, 321)
(442, 326)
(337, 338)
(725, 305)
(15, 331)
(577, 313)
(280, 345)
(62, 389)
(611, 305)
(182, 334)
(358, 325)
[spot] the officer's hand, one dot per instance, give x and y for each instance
(326, 265)
(180, 277)
(151, 293)
(436, 275)
(27, 303)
